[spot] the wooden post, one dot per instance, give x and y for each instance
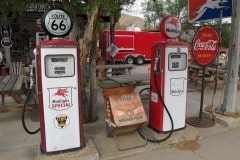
(230, 92)
(8, 57)
(112, 25)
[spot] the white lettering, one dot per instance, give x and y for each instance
(58, 16)
(210, 45)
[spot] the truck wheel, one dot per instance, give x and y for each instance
(140, 60)
(130, 60)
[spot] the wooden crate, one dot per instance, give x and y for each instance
(112, 127)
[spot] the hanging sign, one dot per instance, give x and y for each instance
(5, 31)
(205, 45)
(200, 10)
(57, 23)
(36, 8)
(6, 43)
(113, 50)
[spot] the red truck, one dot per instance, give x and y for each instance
(133, 46)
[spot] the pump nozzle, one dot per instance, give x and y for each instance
(31, 76)
(157, 62)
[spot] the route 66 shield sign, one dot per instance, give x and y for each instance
(56, 22)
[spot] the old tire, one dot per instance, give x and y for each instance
(130, 60)
(140, 60)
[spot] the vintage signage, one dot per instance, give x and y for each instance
(61, 121)
(60, 98)
(205, 45)
(177, 86)
(171, 27)
(5, 31)
(127, 109)
(57, 22)
(6, 43)
(113, 50)
(34, 11)
(200, 10)
(36, 8)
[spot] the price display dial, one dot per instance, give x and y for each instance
(56, 22)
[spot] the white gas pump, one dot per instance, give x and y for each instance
(58, 89)
(58, 86)
(168, 79)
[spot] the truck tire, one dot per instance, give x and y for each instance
(130, 60)
(140, 60)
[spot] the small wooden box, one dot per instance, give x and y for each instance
(124, 112)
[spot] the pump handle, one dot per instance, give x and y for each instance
(157, 61)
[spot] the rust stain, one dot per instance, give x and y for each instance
(191, 145)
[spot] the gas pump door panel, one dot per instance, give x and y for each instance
(177, 61)
(57, 66)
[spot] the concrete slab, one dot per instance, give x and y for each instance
(226, 120)
(187, 134)
(220, 146)
(166, 154)
(89, 152)
(217, 142)
(211, 144)
(24, 153)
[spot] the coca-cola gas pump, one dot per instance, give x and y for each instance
(168, 79)
(58, 86)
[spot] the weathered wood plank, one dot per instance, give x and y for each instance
(18, 98)
(1, 78)
(129, 80)
(115, 66)
(14, 108)
(9, 85)
(18, 85)
(4, 82)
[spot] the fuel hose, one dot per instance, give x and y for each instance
(168, 113)
(30, 92)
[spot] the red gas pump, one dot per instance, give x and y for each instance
(168, 79)
(168, 86)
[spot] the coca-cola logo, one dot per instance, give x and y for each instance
(205, 45)
(209, 45)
